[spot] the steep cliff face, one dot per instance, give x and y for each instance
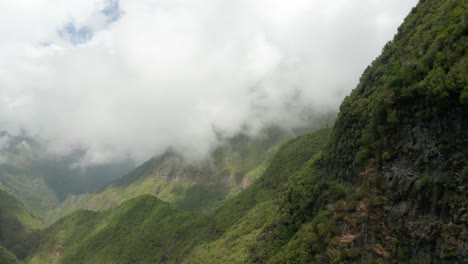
(411, 102)
(388, 185)
(391, 185)
(404, 132)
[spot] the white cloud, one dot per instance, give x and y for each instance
(168, 71)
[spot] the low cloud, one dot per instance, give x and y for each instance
(131, 78)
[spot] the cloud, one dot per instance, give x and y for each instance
(130, 78)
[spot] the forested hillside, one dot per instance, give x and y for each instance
(147, 230)
(399, 149)
(7, 257)
(16, 223)
(189, 185)
(387, 184)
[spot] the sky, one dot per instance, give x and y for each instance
(129, 78)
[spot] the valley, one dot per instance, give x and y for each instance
(386, 183)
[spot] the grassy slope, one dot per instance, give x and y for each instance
(147, 230)
(6, 257)
(18, 178)
(141, 230)
(197, 186)
(244, 217)
(15, 223)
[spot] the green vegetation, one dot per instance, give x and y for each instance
(147, 230)
(41, 181)
(388, 184)
(419, 81)
(191, 186)
(143, 230)
(6, 257)
(11, 208)
(15, 225)
(243, 218)
(18, 178)
(391, 183)
(402, 137)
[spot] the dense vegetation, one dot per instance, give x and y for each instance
(141, 230)
(6, 257)
(247, 218)
(391, 183)
(388, 184)
(147, 230)
(192, 186)
(16, 223)
(403, 132)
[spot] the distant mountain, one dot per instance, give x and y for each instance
(189, 185)
(147, 230)
(41, 181)
(141, 230)
(6, 257)
(388, 184)
(16, 223)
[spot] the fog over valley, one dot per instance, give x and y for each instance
(128, 79)
(233, 131)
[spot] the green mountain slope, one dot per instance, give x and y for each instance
(244, 218)
(41, 180)
(147, 230)
(16, 223)
(6, 257)
(141, 230)
(399, 147)
(192, 186)
(391, 184)
(403, 132)
(388, 186)
(18, 178)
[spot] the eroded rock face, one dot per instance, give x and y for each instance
(423, 186)
(408, 118)
(422, 189)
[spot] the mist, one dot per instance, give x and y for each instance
(127, 79)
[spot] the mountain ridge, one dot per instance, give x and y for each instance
(387, 184)
(192, 186)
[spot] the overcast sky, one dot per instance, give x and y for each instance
(129, 78)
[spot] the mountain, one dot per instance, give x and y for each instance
(400, 144)
(189, 185)
(246, 219)
(387, 184)
(41, 180)
(6, 257)
(143, 229)
(147, 230)
(16, 223)
(17, 176)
